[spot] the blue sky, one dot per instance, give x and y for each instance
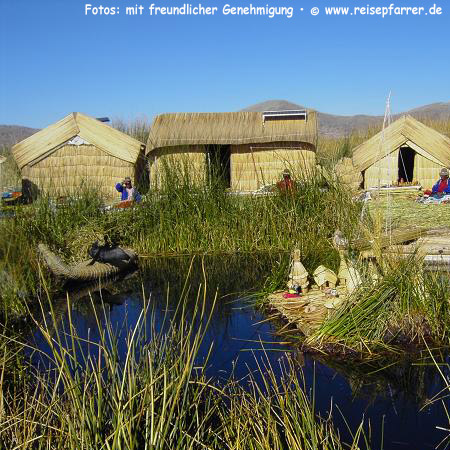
(55, 59)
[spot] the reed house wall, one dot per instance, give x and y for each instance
(182, 161)
(68, 168)
(385, 171)
(253, 166)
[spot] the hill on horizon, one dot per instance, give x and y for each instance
(330, 125)
(333, 125)
(11, 134)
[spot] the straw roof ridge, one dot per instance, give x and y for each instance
(46, 141)
(242, 127)
(425, 140)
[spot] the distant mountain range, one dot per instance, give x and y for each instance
(335, 125)
(11, 134)
(329, 124)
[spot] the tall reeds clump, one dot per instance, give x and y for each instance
(182, 217)
(276, 413)
(43, 221)
(405, 306)
(156, 396)
(138, 129)
(332, 149)
(185, 216)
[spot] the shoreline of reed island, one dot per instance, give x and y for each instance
(185, 218)
(180, 218)
(405, 311)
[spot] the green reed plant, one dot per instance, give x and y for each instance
(280, 414)
(405, 305)
(157, 396)
(183, 216)
(138, 128)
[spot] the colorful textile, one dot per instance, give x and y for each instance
(287, 295)
(442, 186)
(435, 200)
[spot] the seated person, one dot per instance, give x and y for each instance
(286, 184)
(442, 187)
(128, 191)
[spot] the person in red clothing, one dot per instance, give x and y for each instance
(442, 187)
(286, 184)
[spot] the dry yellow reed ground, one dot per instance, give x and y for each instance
(406, 212)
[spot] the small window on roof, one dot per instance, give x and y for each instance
(292, 114)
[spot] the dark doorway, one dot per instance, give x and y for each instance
(406, 164)
(219, 166)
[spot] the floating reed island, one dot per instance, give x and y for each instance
(395, 293)
(307, 306)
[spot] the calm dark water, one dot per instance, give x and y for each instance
(391, 399)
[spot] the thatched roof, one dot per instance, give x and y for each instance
(46, 141)
(242, 127)
(404, 131)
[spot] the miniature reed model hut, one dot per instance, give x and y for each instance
(348, 275)
(298, 276)
(325, 278)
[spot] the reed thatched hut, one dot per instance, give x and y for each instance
(246, 149)
(78, 150)
(407, 150)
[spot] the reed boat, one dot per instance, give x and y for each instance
(308, 311)
(86, 270)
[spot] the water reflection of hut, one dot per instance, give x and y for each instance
(77, 149)
(407, 150)
(245, 149)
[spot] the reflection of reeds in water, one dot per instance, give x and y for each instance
(231, 274)
(443, 396)
(157, 396)
(231, 279)
(165, 281)
(399, 377)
